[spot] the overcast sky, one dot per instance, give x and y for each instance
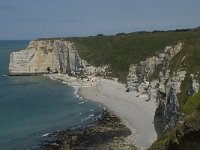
(30, 19)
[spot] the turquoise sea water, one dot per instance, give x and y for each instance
(32, 106)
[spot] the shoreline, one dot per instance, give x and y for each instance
(107, 133)
(136, 113)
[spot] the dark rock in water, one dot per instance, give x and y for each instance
(107, 133)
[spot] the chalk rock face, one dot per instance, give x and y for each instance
(43, 56)
(132, 79)
(74, 61)
(171, 101)
(194, 85)
(162, 89)
(141, 73)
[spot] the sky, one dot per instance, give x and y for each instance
(32, 19)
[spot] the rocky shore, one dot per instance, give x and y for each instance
(107, 133)
(74, 81)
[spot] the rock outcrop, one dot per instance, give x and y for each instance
(141, 73)
(163, 88)
(51, 56)
(194, 85)
(44, 56)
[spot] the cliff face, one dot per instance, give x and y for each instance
(45, 56)
(162, 88)
(140, 74)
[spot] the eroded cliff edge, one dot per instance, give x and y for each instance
(154, 78)
(45, 56)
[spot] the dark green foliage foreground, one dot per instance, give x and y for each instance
(186, 136)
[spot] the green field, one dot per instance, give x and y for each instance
(121, 50)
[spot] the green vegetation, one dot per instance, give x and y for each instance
(185, 136)
(192, 104)
(183, 96)
(161, 144)
(121, 50)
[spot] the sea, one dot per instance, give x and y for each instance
(32, 107)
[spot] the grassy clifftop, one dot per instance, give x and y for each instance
(121, 50)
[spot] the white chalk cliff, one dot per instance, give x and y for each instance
(51, 56)
(42, 56)
(163, 88)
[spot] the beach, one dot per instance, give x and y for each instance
(135, 112)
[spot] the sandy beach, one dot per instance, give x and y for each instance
(136, 113)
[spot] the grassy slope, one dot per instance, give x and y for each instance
(119, 51)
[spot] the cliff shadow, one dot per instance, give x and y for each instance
(160, 120)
